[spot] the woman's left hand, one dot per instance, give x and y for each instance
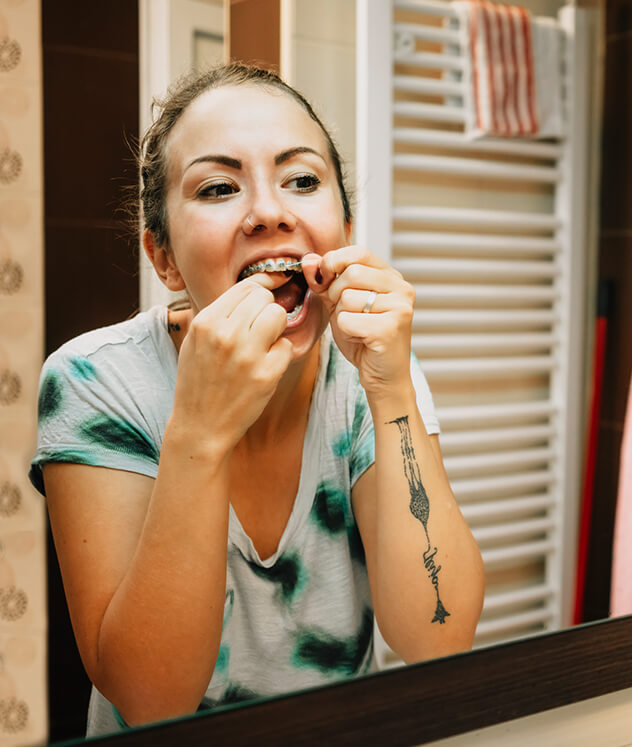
(375, 336)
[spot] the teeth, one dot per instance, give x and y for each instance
(291, 315)
(271, 265)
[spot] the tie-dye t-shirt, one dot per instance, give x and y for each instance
(299, 618)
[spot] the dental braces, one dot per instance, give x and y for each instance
(272, 265)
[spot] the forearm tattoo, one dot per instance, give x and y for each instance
(420, 509)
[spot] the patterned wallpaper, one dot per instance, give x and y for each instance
(23, 718)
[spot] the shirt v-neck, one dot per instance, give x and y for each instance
(303, 500)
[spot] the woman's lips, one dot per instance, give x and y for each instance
(275, 280)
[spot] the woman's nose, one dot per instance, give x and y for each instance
(268, 211)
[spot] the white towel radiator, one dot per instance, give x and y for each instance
(494, 236)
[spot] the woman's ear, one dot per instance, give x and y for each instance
(163, 261)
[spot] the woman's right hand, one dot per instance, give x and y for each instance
(230, 363)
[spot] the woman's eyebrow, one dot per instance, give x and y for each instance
(291, 152)
(233, 163)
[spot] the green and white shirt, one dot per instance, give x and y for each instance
(303, 616)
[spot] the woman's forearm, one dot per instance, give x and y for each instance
(429, 583)
(159, 638)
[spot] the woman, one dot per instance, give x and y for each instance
(233, 488)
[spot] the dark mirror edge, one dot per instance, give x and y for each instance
(420, 703)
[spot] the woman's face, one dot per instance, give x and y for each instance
(246, 152)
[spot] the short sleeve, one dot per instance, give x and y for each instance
(89, 413)
(424, 397)
(363, 436)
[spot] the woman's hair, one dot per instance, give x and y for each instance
(153, 165)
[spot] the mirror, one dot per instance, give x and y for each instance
(448, 698)
(79, 312)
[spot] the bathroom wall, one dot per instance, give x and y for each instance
(318, 57)
(23, 709)
(615, 265)
(254, 30)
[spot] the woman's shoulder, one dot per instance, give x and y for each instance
(146, 331)
(104, 398)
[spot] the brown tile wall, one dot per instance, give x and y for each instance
(247, 42)
(615, 264)
(90, 76)
(90, 65)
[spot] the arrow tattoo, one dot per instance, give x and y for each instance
(420, 509)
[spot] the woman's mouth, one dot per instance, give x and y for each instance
(281, 264)
(290, 291)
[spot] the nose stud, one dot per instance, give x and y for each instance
(253, 227)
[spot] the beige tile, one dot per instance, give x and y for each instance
(325, 73)
(23, 717)
(23, 686)
(20, 504)
(15, 100)
(18, 212)
(22, 578)
(15, 433)
(21, 263)
(328, 20)
(22, 420)
(20, 357)
(22, 21)
(20, 142)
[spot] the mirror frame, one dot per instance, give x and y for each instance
(423, 702)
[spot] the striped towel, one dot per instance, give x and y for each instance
(512, 71)
(621, 585)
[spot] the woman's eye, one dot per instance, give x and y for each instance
(304, 182)
(217, 190)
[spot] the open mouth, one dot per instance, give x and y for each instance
(291, 293)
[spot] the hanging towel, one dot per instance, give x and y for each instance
(512, 74)
(621, 587)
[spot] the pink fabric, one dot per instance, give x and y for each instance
(621, 590)
(502, 65)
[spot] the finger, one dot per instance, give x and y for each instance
(334, 263)
(228, 301)
(279, 356)
(268, 280)
(311, 270)
(368, 329)
(357, 301)
(249, 308)
(269, 324)
(362, 278)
